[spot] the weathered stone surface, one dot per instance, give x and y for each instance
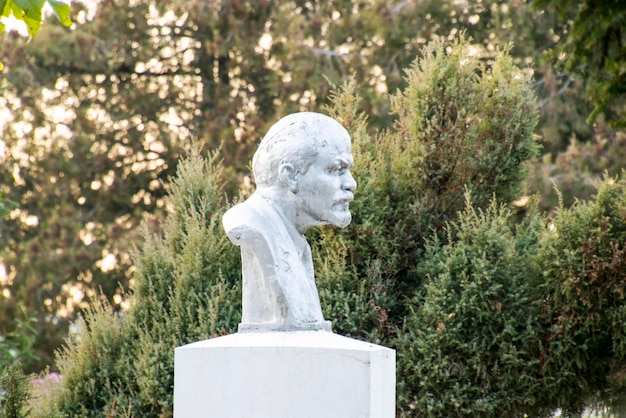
(304, 374)
(302, 172)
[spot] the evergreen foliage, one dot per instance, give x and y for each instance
(15, 392)
(15, 386)
(90, 364)
(520, 318)
(470, 346)
(583, 259)
(460, 124)
(186, 288)
(466, 124)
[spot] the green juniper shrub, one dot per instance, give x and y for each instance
(359, 306)
(90, 363)
(354, 266)
(464, 124)
(16, 351)
(15, 392)
(520, 318)
(186, 288)
(583, 258)
(470, 347)
(461, 124)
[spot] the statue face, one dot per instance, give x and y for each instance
(326, 189)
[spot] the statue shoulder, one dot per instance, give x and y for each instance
(247, 222)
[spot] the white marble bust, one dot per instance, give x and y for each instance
(302, 173)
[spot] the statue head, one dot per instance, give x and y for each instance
(303, 165)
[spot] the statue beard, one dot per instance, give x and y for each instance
(341, 216)
(338, 214)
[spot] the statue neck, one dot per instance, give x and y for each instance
(289, 205)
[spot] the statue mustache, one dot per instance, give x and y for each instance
(346, 197)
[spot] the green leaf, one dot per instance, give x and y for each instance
(18, 13)
(61, 11)
(32, 9)
(32, 25)
(5, 7)
(29, 11)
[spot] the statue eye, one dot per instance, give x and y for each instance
(339, 168)
(334, 169)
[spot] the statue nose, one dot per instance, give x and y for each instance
(349, 183)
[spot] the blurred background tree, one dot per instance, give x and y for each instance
(593, 47)
(94, 117)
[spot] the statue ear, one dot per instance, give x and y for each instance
(289, 176)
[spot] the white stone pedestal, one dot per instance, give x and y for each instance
(303, 374)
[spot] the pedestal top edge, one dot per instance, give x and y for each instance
(301, 339)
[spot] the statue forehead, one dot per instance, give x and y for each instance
(305, 128)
